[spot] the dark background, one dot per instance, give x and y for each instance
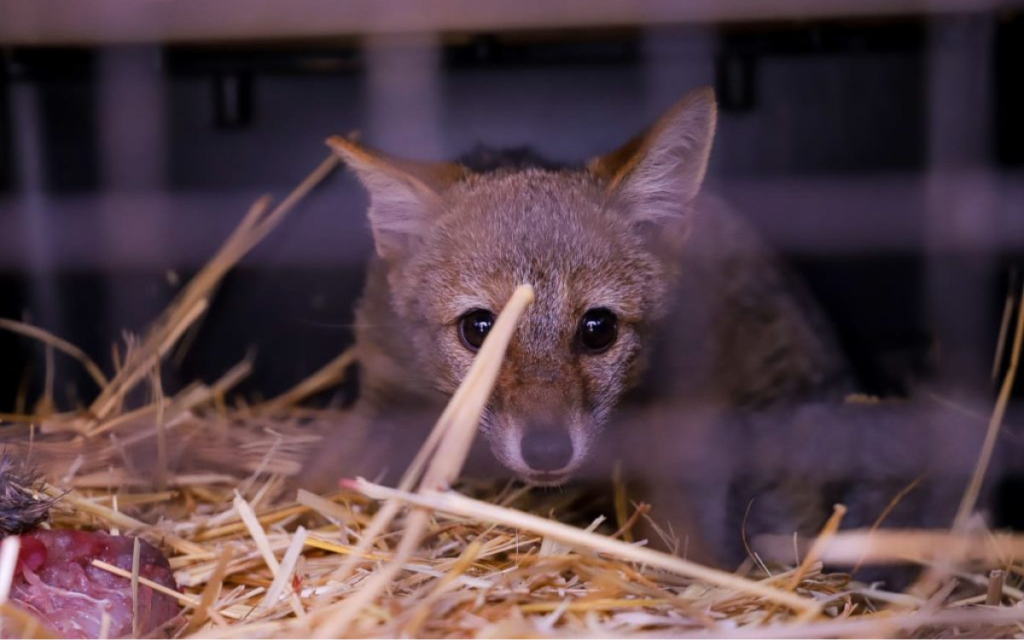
(883, 156)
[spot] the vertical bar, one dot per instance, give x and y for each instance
(960, 194)
(134, 217)
(38, 230)
(404, 94)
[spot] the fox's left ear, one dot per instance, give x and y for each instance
(405, 196)
(655, 176)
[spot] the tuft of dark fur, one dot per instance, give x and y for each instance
(485, 159)
(21, 507)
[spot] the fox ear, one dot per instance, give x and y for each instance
(405, 196)
(656, 175)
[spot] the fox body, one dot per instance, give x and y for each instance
(658, 311)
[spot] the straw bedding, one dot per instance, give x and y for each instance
(206, 480)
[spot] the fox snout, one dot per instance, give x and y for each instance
(546, 448)
(545, 453)
(540, 432)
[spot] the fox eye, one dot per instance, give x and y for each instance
(474, 327)
(598, 330)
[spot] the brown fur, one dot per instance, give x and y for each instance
(708, 320)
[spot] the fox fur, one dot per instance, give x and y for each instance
(711, 328)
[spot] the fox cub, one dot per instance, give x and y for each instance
(659, 317)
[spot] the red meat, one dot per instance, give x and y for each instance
(56, 580)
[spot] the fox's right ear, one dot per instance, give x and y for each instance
(655, 176)
(405, 196)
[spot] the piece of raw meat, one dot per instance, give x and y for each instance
(56, 580)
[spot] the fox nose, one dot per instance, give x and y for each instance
(547, 448)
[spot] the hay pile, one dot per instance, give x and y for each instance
(207, 482)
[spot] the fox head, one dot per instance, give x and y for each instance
(597, 245)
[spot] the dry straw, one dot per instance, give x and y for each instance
(255, 559)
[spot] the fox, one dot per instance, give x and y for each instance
(661, 323)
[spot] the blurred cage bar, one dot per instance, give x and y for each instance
(878, 145)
